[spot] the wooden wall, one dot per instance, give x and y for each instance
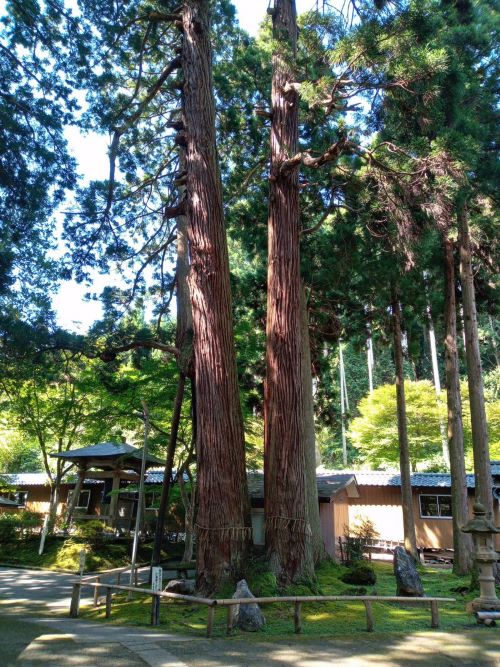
(327, 520)
(382, 506)
(340, 503)
(39, 498)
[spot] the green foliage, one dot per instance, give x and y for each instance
(19, 525)
(375, 434)
(94, 532)
(360, 572)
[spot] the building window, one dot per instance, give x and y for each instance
(435, 507)
(83, 500)
(19, 497)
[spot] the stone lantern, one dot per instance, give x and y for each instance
(485, 556)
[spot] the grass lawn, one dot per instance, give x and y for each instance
(318, 619)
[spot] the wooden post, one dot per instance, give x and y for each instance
(113, 504)
(109, 598)
(155, 610)
(75, 495)
(210, 620)
(434, 614)
(136, 577)
(118, 578)
(297, 618)
(96, 592)
(230, 618)
(369, 615)
(74, 608)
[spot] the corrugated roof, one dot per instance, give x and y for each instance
(385, 478)
(25, 479)
(37, 479)
(107, 450)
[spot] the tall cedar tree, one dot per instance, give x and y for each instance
(288, 535)
(462, 542)
(404, 452)
(223, 522)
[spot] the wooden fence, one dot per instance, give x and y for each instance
(231, 603)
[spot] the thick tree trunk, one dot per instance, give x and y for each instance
(223, 523)
(309, 435)
(482, 468)
(404, 451)
(288, 535)
(462, 542)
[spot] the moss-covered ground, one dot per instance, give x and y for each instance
(64, 554)
(319, 619)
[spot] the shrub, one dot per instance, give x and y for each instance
(8, 527)
(19, 525)
(94, 532)
(357, 540)
(361, 573)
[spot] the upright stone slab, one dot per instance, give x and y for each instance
(182, 586)
(407, 578)
(247, 617)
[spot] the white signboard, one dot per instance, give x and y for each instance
(83, 556)
(156, 578)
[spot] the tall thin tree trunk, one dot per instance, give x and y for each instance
(288, 535)
(462, 542)
(184, 338)
(189, 503)
(223, 522)
(343, 405)
(404, 450)
(437, 384)
(318, 547)
(494, 342)
(482, 468)
(167, 473)
(370, 362)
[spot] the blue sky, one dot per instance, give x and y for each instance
(73, 311)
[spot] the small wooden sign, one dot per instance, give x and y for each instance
(156, 578)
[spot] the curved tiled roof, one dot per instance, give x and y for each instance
(106, 450)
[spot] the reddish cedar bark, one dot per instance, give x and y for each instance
(288, 538)
(482, 468)
(404, 450)
(223, 521)
(462, 542)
